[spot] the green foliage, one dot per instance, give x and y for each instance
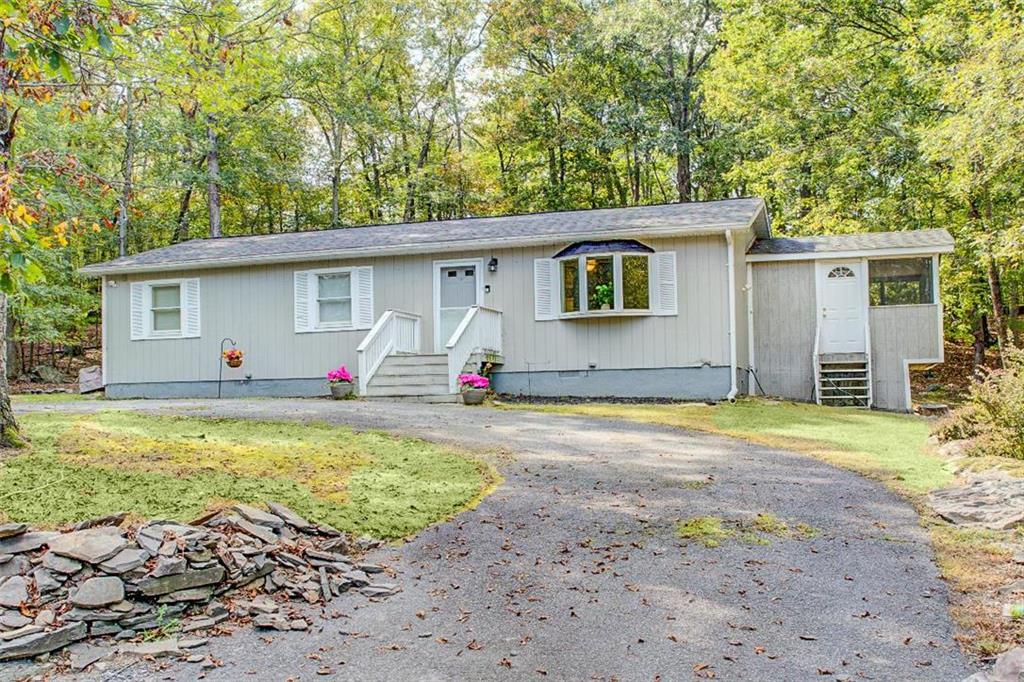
(87, 466)
(59, 309)
(993, 417)
(848, 117)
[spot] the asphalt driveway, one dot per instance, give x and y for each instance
(572, 569)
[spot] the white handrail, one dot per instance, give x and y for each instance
(867, 357)
(479, 330)
(394, 332)
(816, 359)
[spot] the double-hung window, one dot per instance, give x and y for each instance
(333, 299)
(165, 309)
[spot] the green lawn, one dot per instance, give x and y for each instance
(177, 467)
(890, 447)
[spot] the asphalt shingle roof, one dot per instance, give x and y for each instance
(446, 235)
(938, 239)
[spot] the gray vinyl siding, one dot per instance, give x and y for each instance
(784, 323)
(900, 333)
(254, 306)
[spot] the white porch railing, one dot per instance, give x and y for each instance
(816, 359)
(394, 332)
(480, 330)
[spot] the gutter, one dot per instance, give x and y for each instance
(731, 261)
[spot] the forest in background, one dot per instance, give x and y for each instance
(126, 126)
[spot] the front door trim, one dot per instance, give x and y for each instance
(860, 270)
(478, 263)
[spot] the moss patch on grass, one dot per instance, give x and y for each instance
(179, 467)
(889, 447)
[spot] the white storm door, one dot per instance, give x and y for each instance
(841, 289)
(458, 287)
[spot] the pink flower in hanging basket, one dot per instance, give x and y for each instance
(339, 376)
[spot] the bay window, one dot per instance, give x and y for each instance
(620, 277)
(592, 284)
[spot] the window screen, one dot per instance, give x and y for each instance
(901, 281)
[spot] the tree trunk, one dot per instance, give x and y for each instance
(127, 163)
(335, 201)
(213, 178)
(181, 222)
(979, 348)
(10, 436)
(995, 286)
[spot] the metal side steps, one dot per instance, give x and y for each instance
(844, 379)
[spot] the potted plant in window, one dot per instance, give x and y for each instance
(604, 296)
(474, 388)
(233, 357)
(340, 381)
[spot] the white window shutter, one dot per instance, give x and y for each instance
(139, 292)
(664, 291)
(303, 314)
(190, 308)
(362, 297)
(544, 289)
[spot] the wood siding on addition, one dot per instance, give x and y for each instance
(901, 334)
(784, 324)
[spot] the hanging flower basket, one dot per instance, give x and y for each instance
(233, 357)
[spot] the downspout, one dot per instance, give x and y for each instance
(751, 359)
(733, 386)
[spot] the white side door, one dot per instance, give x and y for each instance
(841, 302)
(458, 287)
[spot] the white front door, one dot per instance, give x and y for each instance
(458, 288)
(841, 291)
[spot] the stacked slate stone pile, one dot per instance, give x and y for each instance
(98, 579)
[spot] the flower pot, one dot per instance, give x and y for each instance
(234, 363)
(473, 396)
(341, 390)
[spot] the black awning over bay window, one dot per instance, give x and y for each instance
(607, 246)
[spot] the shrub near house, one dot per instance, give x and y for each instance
(992, 421)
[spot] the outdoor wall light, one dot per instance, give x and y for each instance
(492, 265)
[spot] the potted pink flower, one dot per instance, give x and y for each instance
(340, 381)
(474, 388)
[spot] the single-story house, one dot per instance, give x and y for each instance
(690, 301)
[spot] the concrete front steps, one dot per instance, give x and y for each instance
(416, 378)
